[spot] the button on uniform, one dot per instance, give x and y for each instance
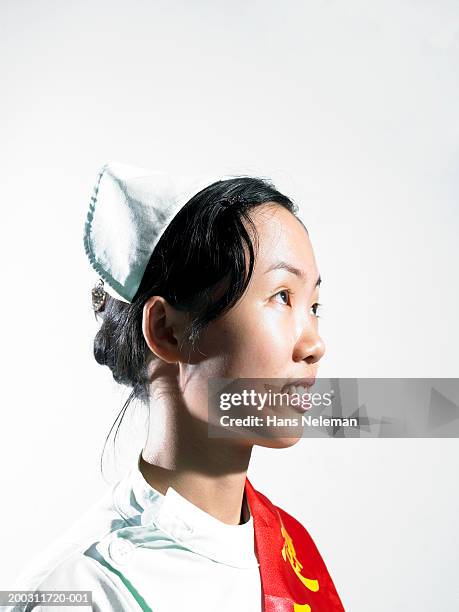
(121, 550)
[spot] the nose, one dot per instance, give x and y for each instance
(310, 346)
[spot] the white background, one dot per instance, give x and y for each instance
(351, 109)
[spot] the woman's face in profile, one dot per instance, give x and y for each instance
(272, 332)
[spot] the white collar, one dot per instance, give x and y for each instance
(186, 523)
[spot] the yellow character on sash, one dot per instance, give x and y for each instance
(301, 608)
(288, 552)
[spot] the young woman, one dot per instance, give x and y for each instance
(224, 285)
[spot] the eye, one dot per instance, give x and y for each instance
(285, 292)
(314, 308)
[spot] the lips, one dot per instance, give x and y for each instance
(299, 382)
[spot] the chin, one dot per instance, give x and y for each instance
(277, 442)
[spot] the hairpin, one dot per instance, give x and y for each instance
(98, 296)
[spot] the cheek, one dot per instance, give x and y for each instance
(243, 344)
(250, 344)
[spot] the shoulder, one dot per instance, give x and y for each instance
(67, 550)
(78, 572)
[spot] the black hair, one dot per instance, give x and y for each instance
(202, 247)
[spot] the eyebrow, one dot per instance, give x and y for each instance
(283, 265)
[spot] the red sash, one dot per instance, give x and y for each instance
(294, 577)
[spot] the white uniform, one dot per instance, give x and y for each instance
(137, 549)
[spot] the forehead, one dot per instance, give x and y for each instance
(281, 236)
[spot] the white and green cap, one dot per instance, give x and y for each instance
(129, 211)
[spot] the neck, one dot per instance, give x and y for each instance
(209, 472)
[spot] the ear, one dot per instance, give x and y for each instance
(161, 326)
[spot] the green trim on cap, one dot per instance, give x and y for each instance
(104, 275)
